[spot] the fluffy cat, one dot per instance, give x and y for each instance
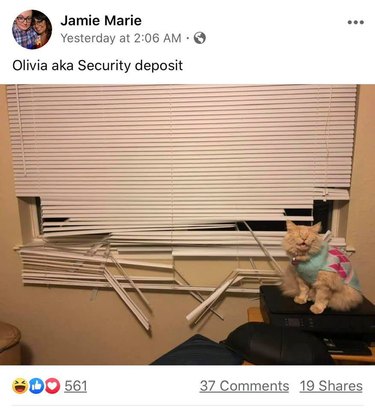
(318, 272)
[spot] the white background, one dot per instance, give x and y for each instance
(142, 387)
(248, 41)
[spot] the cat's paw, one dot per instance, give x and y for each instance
(300, 300)
(317, 310)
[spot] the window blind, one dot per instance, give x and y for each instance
(171, 169)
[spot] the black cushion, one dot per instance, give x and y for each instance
(261, 343)
(199, 350)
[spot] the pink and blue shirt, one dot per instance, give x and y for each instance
(332, 260)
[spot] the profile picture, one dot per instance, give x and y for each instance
(32, 29)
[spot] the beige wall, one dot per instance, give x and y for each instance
(361, 218)
(68, 326)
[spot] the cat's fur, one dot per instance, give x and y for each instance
(328, 289)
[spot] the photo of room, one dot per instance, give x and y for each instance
(135, 217)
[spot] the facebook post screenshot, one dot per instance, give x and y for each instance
(187, 204)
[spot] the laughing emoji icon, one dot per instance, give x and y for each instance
(20, 386)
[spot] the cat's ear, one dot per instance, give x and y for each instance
(317, 227)
(290, 226)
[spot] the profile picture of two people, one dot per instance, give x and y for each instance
(32, 29)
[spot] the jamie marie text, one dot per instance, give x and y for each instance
(96, 21)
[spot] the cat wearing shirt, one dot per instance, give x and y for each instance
(318, 272)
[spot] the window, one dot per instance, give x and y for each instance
(163, 171)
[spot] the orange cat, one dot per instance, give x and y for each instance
(318, 272)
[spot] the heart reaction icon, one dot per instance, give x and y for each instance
(52, 385)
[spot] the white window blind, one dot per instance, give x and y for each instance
(171, 169)
(125, 173)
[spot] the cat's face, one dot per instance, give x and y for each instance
(301, 239)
